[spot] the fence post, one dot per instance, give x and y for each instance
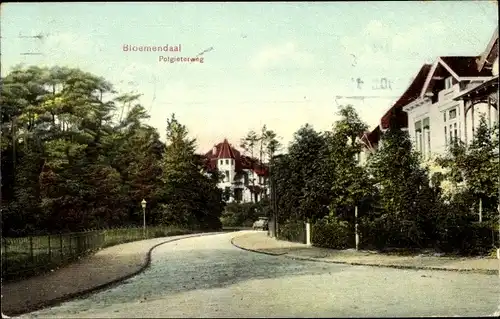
(480, 210)
(85, 242)
(32, 257)
(308, 233)
(69, 246)
(356, 227)
(61, 246)
(50, 250)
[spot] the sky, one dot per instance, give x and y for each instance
(279, 64)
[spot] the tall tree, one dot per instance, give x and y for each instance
(405, 195)
(350, 181)
(249, 144)
(191, 197)
(307, 160)
(69, 163)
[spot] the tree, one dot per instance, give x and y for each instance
(248, 144)
(70, 162)
(481, 167)
(468, 184)
(191, 197)
(267, 143)
(350, 181)
(306, 171)
(406, 199)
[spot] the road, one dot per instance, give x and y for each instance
(208, 277)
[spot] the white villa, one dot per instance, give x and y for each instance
(445, 102)
(245, 178)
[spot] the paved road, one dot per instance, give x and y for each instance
(208, 277)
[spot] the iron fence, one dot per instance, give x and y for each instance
(26, 256)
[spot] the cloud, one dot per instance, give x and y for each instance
(282, 56)
(380, 42)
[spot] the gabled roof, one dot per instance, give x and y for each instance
(490, 53)
(412, 93)
(459, 67)
(464, 66)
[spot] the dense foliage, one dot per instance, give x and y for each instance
(77, 155)
(403, 201)
(293, 230)
(332, 233)
(244, 214)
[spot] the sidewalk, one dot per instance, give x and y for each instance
(260, 242)
(108, 266)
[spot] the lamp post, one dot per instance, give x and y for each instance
(143, 204)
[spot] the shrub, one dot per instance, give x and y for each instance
(240, 215)
(332, 233)
(471, 239)
(294, 231)
(159, 233)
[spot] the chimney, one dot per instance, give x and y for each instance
(214, 150)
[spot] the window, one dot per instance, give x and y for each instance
(238, 194)
(426, 136)
(448, 82)
(227, 162)
(227, 176)
(221, 162)
(453, 114)
(444, 116)
(227, 193)
(452, 126)
(445, 137)
(418, 135)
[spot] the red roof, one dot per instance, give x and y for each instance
(411, 94)
(225, 150)
(463, 66)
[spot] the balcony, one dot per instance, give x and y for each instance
(449, 94)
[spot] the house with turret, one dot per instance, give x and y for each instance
(244, 179)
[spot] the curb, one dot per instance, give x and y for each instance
(473, 270)
(255, 251)
(83, 293)
(296, 257)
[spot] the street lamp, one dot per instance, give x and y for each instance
(143, 204)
